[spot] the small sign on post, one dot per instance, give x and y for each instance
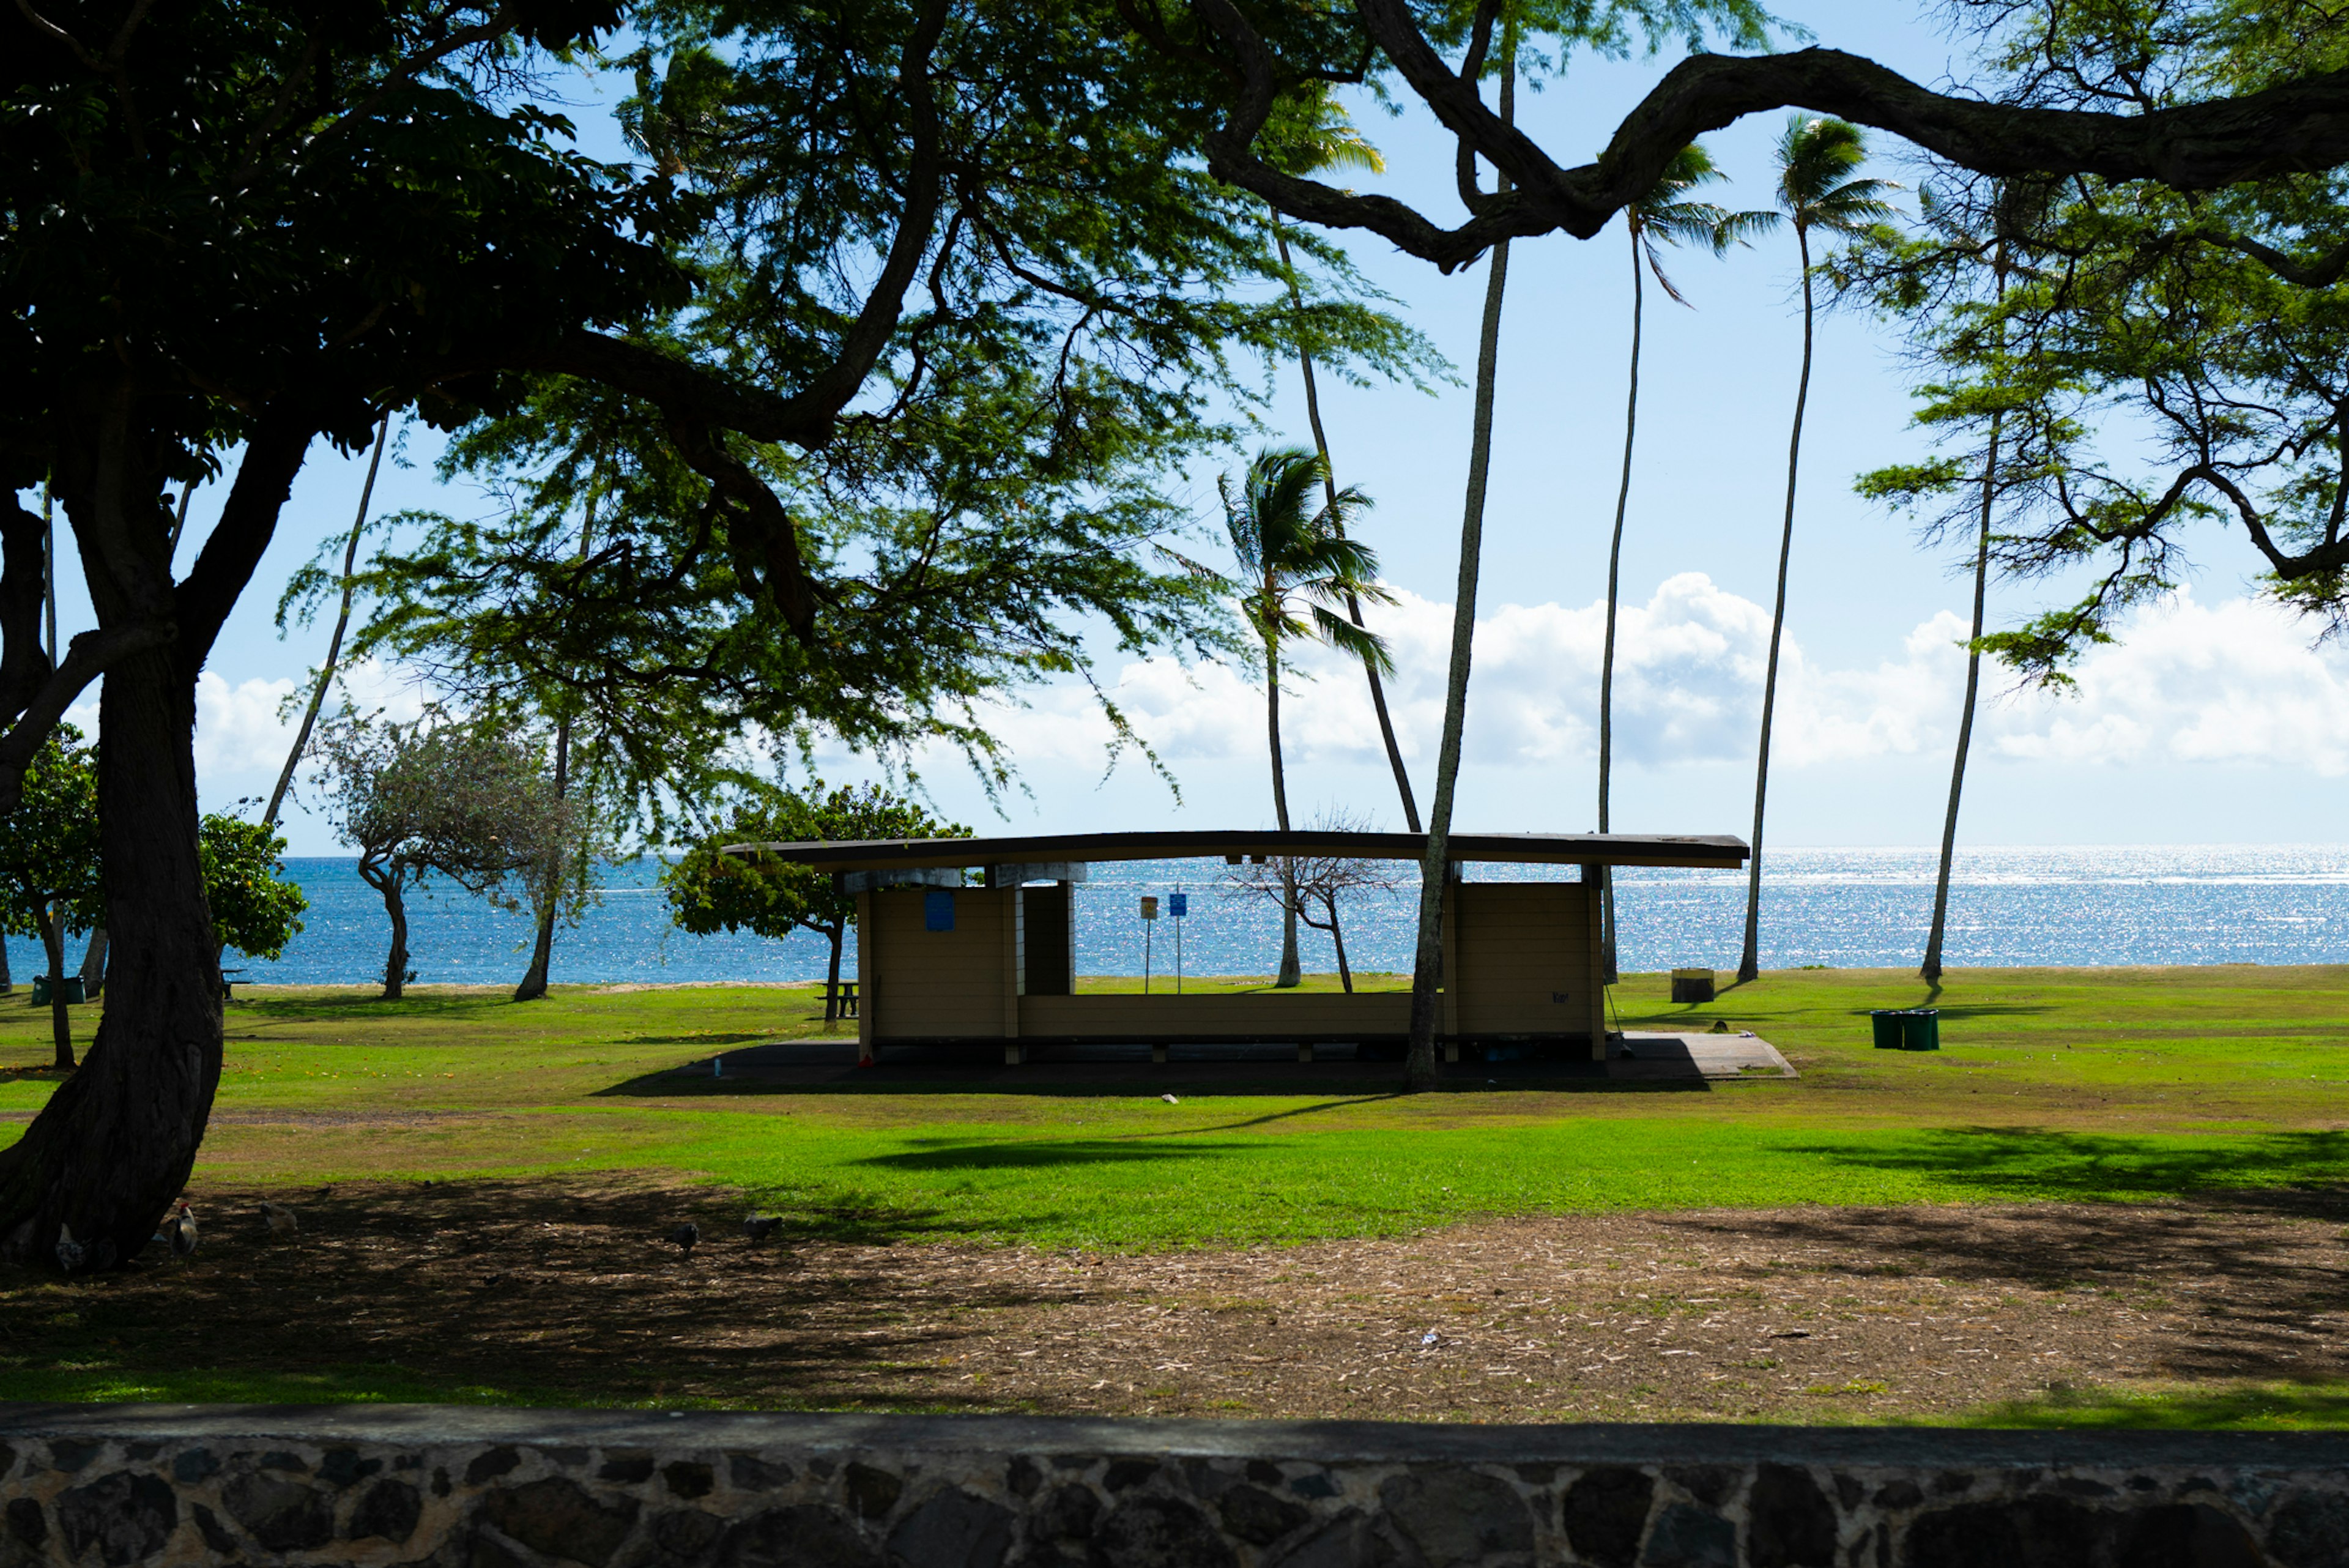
(1149, 918)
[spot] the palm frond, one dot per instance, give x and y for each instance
(1357, 642)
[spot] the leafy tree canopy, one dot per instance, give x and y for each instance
(709, 891)
(1085, 297)
(2151, 362)
(50, 853)
(255, 910)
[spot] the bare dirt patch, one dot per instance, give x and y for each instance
(564, 1290)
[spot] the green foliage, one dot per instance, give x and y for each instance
(709, 891)
(2155, 362)
(1298, 567)
(254, 909)
(464, 800)
(1671, 215)
(267, 196)
(49, 849)
(1086, 301)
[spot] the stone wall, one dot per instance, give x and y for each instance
(498, 1488)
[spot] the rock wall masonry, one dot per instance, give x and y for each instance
(420, 1485)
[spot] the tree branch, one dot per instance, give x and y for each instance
(24, 666)
(87, 657)
(2295, 127)
(248, 519)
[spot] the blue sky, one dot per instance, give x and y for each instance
(2214, 722)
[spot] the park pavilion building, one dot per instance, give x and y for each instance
(973, 941)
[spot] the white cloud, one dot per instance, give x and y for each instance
(2234, 683)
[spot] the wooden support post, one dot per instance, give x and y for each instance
(1451, 1014)
(1008, 908)
(1011, 1053)
(1594, 958)
(1304, 1050)
(1158, 1051)
(866, 1000)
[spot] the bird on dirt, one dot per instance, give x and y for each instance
(181, 1231)
(684, 1236)
(1170, 1099)
(759, 1227)
(71, 1254)
(282, 1224)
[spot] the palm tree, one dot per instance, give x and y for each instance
(1298, 567)
(1313, 138)
(1435, 860)
(1817, 189)
(1665, 216)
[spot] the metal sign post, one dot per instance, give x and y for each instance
(1149, 918)
(1178, 904)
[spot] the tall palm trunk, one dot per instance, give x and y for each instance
(1354, 604)
(1435, 866)
(541, 953)
(1930, 969)
(1614, 581)
(1749, 963)
(335, 643)
(1289, 974)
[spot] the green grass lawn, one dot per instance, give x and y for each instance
(2114, 1085)
(2121, 1085)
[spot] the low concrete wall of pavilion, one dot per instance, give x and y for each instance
(503, 1489)
(1522, 960)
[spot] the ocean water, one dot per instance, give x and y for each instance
(2275, 904)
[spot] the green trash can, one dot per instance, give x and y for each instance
(1887, 1021)
(72, 990)
(1920, 1029)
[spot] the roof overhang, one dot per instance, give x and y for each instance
(1716, 852)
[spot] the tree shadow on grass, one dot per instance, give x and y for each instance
(370, 1005)
(558, 1292)
(2320, 1405)
(943, 1154)
(695, 1039)
(2022, 1164)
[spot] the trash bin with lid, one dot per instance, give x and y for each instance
(73, 991)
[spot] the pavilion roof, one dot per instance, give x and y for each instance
(1719, 851)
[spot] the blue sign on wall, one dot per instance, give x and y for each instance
(937, 911)
(1178, 904)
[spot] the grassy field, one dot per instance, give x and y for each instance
(2096, 1086)
(2119, 1084)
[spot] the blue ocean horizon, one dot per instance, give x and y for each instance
(2170, 904)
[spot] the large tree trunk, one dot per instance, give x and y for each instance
(1749, 962)
(1353, 604)
(1435, 866)
(1614, 577)
(53, 936)
(113, 1146)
